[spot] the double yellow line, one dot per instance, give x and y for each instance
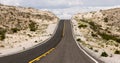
(43, 55)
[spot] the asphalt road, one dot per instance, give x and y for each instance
(67, 50)
(30, 54)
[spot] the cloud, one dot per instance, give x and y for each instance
(54, 3)
(101, 2)
(44, 3)
(10, 2)
(67, 13)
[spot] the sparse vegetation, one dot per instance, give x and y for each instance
(91, 48)
(104, 54)
(20, 26)
(82, 26)
(29, 35)
(2, 33)
(109, 37)
(94, 26)
(93, 34)
(117, 52)
(33, 26)
(14, 20)
(116, 45)
(36, 41)
(79, 39)
(96, 50)
(102, 33)
(14, 30)
(105, 19)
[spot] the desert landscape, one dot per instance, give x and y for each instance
(22, 28)
(99, 33)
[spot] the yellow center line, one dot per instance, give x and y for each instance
(48, 52)
(63, 30)
(43, 55)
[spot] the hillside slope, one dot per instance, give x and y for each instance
(21, 27)
(99, 31)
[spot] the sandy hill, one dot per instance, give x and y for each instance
(103, 22)
(20, 18)
(13, 19)
(99, 31)
(22, 27)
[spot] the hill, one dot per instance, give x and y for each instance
(21, 27)
(99, 31)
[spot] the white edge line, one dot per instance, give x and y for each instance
(80, 47)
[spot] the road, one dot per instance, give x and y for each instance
(30, 54)
(66, 49)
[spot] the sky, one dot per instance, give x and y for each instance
(65, 8)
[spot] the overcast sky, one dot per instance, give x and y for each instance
(65, 8)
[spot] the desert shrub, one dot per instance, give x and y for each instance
(91, 48)
(96, 50)
(92, 23)
(14, 30)
(93, 26)
(94, 35)
(84, 20)
(116, 45)
(2, 33)
(105, 19)
(11, 13)
(117, 52)
(82, 26)
(109, 37)
(102, 45)
(105, 36)
(104, 54)
(79, 39)
(29, 35)
(36, 41)
(33, 26)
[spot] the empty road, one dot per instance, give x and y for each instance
(67, 50)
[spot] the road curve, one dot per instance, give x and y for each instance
(67, 50)
(28, 55)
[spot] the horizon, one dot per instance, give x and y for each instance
(64, 9)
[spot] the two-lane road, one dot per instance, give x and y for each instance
(67, 50)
